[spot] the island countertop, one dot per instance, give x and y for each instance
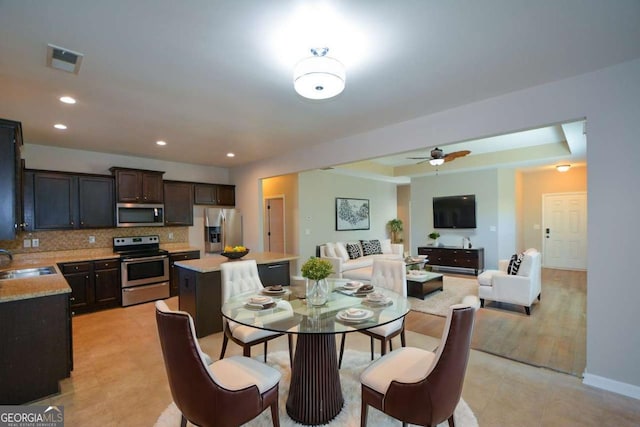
(212, 262)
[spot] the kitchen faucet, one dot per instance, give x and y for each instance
(6, 253)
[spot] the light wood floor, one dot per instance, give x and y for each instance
(553, 336)
(119, 379)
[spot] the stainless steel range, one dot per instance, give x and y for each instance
(145, 269)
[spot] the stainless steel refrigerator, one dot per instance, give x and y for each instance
(222, 227)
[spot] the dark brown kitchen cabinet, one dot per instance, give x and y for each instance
(96, 201)
(178, 203)
(65, 201)
(10, 179)
(107, 289)
(215, 194)
(179, 256)
(36, 351)
(138, 186)
(94, 284)
(276, 273)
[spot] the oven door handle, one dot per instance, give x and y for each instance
(144, 259)
(134, 289)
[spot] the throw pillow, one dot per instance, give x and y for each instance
(354, 250)
(371, 247)
(341, 251)
(385, 245)
(330, 250)
(514, 264)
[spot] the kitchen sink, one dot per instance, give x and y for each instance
(26, 272)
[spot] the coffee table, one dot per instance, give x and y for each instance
(420, 285)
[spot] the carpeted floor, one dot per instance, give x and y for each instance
(454, 289)
(354, 363)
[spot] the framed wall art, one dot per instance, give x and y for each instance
(352, 214)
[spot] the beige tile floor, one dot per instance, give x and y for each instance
(119, 380)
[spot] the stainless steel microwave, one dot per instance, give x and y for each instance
(139, 215)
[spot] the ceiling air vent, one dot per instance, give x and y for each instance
(63, 59)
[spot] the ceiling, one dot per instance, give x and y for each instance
(211, 77)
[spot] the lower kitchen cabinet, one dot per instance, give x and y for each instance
(276, 273)
(178, 256)
(36, 351)
(94, 284)
(201, 293)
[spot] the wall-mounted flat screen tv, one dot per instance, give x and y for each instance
(454, 211)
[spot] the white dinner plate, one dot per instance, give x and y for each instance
(342, 315)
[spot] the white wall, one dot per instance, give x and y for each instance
(609, 100)
(317, 191)
(483, 184)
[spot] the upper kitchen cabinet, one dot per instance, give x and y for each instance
(63, 201)
(96, 201)
(10, 178)
(178, 203)
(138, 186)
(215, 194)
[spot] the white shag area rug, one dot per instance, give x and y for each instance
(454, 290)
(354, 362)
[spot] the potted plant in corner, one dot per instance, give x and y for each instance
(435, 236)
(395, 227)
(316, 271)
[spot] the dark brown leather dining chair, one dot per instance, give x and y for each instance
(419, 386)
(229, 392)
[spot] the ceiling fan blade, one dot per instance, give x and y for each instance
(418, 158)
(454, 155)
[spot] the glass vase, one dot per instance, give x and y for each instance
(317, 292)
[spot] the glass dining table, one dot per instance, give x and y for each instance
(315, 395)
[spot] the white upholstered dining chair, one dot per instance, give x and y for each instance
(392, 275)
(239, 277)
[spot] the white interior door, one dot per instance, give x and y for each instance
(564, 231)
(274, 225)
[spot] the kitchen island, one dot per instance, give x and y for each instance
(200, 287)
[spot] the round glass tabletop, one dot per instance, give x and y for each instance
(345, 310)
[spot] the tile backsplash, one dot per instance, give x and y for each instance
(79, 239)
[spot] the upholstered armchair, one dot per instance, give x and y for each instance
(418, 386)
(521, 288)
(239, 277)
(228, 392)
(389, 274)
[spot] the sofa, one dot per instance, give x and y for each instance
(354, 259)
(521, 288)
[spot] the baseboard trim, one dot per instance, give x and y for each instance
(608, 384)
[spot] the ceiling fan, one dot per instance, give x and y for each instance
(438, 157)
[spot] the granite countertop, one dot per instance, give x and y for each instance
(212, 262)
(51, 284)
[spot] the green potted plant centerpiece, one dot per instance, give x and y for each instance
(316, 271)
(435, 236)
(395, 227)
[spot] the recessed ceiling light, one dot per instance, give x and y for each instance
(67, 100)
(161, 143)
(60, 126)
(230, 155)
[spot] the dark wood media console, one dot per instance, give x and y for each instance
(446, 256)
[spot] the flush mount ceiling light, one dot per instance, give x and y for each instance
(436, 162)
(67, 100)
(563, 168)
(319, 76)
(230, 155)
(161, 143)
(60, 126)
